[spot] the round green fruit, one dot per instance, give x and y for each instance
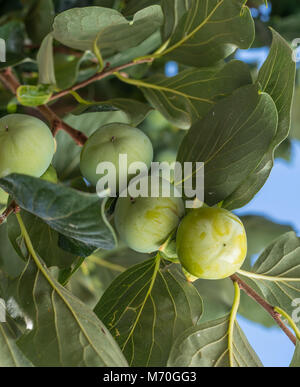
(3, 200)
(26, 145)
(107, 143)
(3, 197)
(211, 243)
(144, 223)
(50, 175)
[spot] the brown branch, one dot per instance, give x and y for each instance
(58, 124)
(98, 77)
(9, 80)
(11, 83)
(12, 208)
(269, 308)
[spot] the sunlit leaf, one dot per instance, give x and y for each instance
(206, 345)
(159, 298)
(33, 95)
(46, 62)
(81, 28)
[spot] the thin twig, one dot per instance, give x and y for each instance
(269, 308)
(12, 208)
(58, 124)
(98, 77)
(11, 83)
(9, 80)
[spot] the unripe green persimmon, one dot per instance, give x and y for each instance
(144, 223)
(3, 200)
(211, 243)
(3, 197)
(108, 142)
(50, 175)
(26, 145)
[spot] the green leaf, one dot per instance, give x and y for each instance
(211, 31)
(67, 68)
(230, 140)
(187, 97)
(10, 354)
(260, 233)
(284, 151)
(65, 331)
(279, 71)
(45, 61)
(135, 111)
(44, 240)
(173, 11)
(217, 298)
(99, 270)
(81, 28)
(72, 213)
(296, 359)
(280, 264)
(153, 307)
(74, 247)
(39, 20)
(148, 45)
(277, 78)
(288, 25)
(10, 262)
(33, 95)
(295, 128)
(206, 345)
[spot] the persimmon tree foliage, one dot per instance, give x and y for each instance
(90, 281)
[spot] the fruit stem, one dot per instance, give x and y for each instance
(290, 321)
(98, 77)
(234, 310)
